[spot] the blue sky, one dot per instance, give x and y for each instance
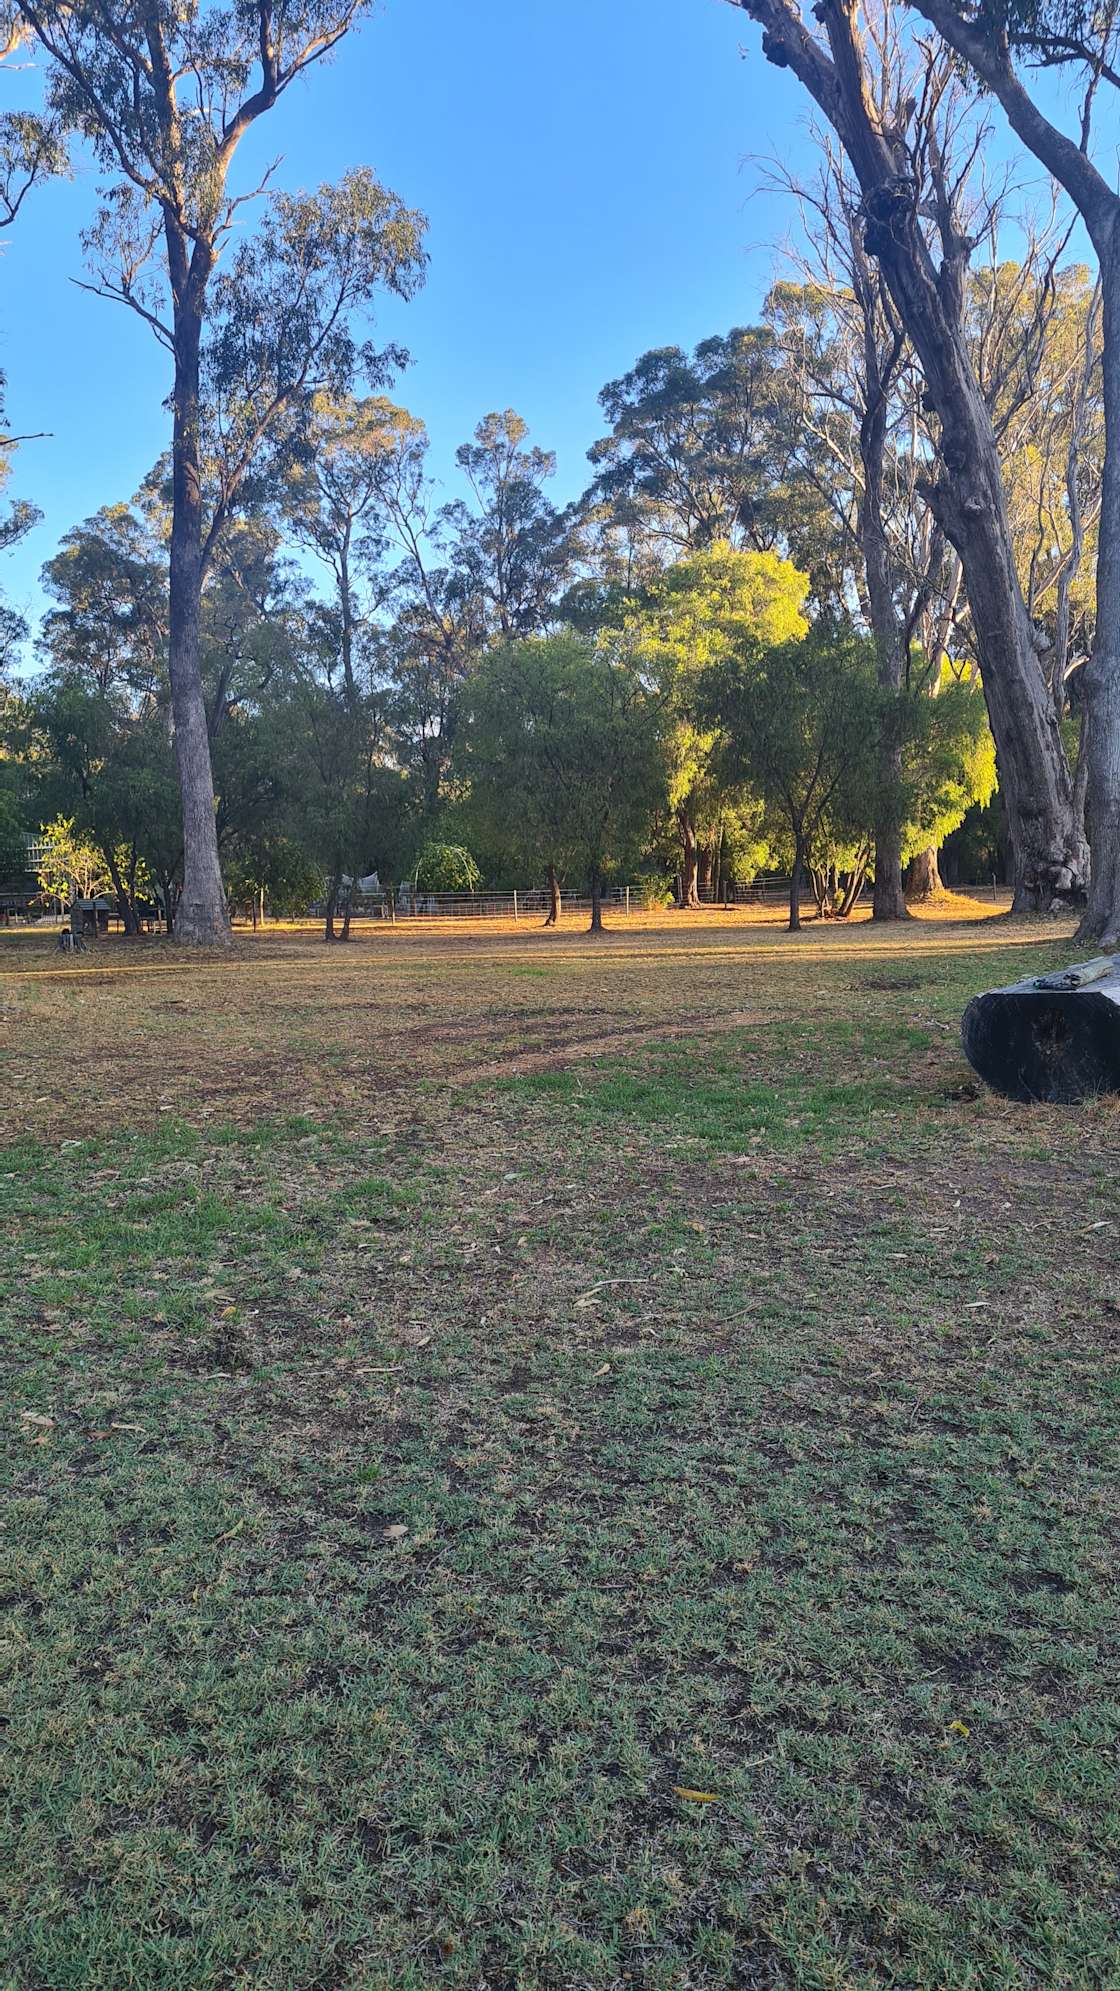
(591, 181)
(583, 171)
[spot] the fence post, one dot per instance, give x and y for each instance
(515, 911)
(627, 901)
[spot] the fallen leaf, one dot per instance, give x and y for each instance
(695, 1797)
(36, 1417)
(959, 1728)
(394, 1533)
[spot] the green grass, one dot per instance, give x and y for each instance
(424, 1509)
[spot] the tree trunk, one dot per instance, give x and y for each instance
(1100, 679)
(887, 902)
(1081, 773)
(967, 498)
(703, 871)
(1049, 857)
(1097, 202)
(164, 881)
(796, 877)
(853, 884)
(553, 918)
(596, 902)
(170, 903)
(203, 919)
(124, 897)
(689, 896)
(923, 875)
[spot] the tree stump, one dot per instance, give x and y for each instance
(1052, 1038)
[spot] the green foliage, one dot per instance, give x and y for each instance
(654, 894)
(1059, 30)
(949, 762)
(70, 862)
(695, 446)
(281, 325)
(513, 552)
(698, 613)
(340, 798)
(563, 751)
(108, 583)
(32, 150)
(706, 607)
(797, 722)
(277, 867)
(446, 867)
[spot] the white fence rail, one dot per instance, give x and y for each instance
(406, 903)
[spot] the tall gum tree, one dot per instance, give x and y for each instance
(908, 204)
(1072, 35)
(164, 92)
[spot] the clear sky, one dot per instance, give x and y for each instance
(586, 174)
(591, 174)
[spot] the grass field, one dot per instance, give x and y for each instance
(544, 1465)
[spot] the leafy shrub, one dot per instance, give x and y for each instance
(447, 867)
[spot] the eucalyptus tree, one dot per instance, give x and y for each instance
(846, 355)
(107, 620)
(563, 750)
(345, 801)
(515, 551)
(437, 625)
(796, 721)
(998, 41)
(459, 575)
(101, 752)
(698, 445)
(333, 504)
(904, 132)
(252, 606)
(31, 150)
(164, 92)
(866, 444)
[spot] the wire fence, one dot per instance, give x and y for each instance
(407, 903)
(767, 891)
